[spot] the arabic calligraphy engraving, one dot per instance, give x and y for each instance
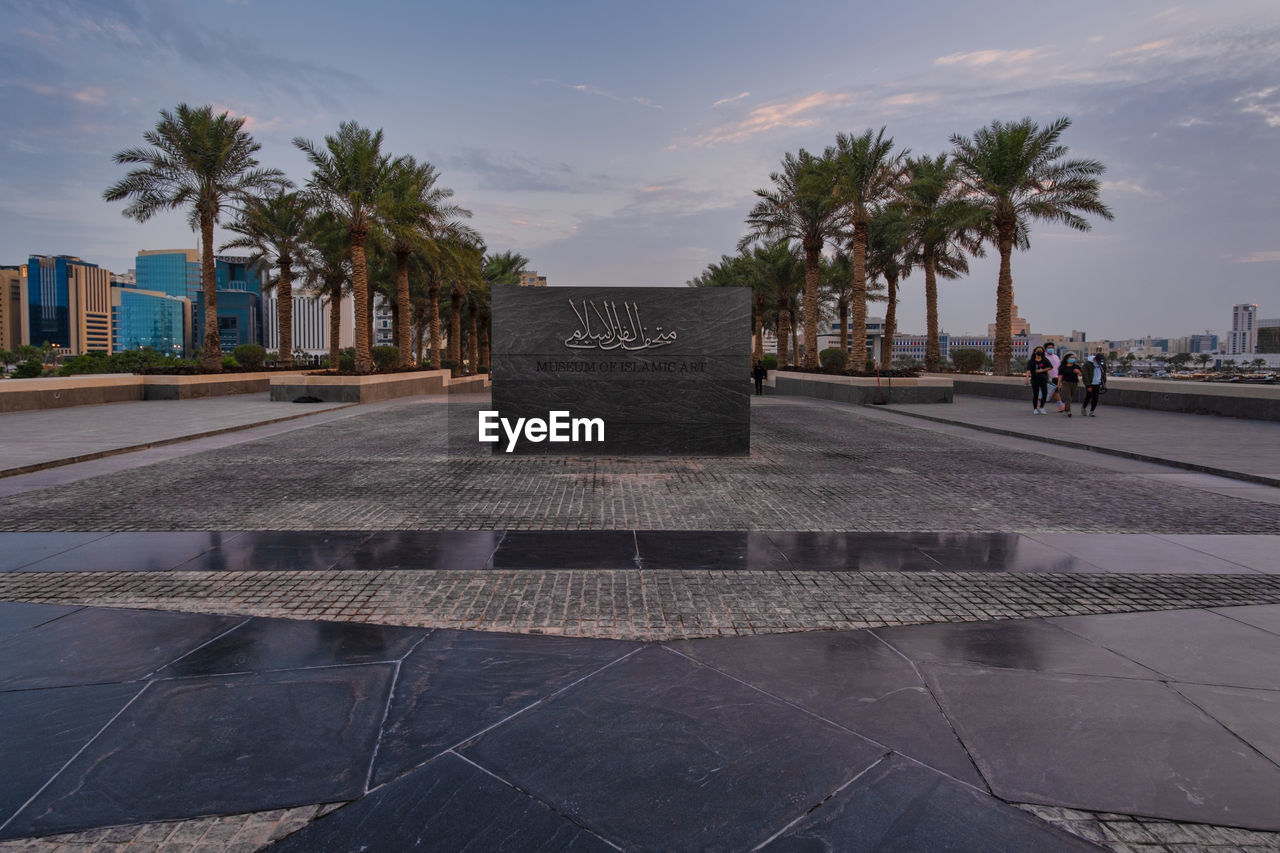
(613, 331)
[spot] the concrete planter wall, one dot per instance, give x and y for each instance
(861, 391)
(195, 387)
(469, 384)
(25, 395)
(359, 389)
(1259, 402)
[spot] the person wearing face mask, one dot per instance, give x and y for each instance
(1051, 353)
(1095, 377)
(1038, 367)
(1069, 375)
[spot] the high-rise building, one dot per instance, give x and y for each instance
(148, 318)
(310, 323)
(68, 304)
(1208, 342)
(13, 307)
(1017, 325)
(239, 289)
(1244, 329)
(175, 272)
(530, 278)
(1268, 336)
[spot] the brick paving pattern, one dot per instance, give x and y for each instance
(1128, 834)
(417, 467)
(240, 833)
(648, 605)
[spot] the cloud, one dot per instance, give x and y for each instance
(1258, 258)
(588, 89)
(1144, 49)
(800, 112)
(517, 173)
(645, 102)
(1127, 187)
(1264, 103)
(89, 95)
(983, 58)
(738, 97)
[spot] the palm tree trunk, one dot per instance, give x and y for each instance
(484, 342)
(284, 311)
(372, 296)
(455, 329)
(211, 355)
(932, 347)
(335, 325)
(473, 341)
(402, 317)
(360, 298)
(890, 321)
(420, 328)
(433, 324)
(842, 305)
(812, 280)
(757, 351)
(858, 299)
(795, 338)
(1002, 350)
(784, 331)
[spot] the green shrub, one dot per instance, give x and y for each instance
(869, 366)
(770, 362)
(29, 369)
(385, 358)
(968, 360)
(833, 358)
(229, 362)
(249, 356)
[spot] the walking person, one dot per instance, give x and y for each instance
(1069, 375)
(1095, 382)
(1038, 368)
(758, 374)
(1051, 353)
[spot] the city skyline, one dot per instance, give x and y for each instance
(621, 146)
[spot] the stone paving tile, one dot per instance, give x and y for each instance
(641, 605)
(221, 834)
(417, 467)
(1124, 833)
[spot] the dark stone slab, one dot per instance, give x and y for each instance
(269, 551)
(409, 550)
(1260, 553)
(668, 380)
(658, 750)
(16, 617)
(1138, 553)
(133, 552)
(1014, 644)
(1264, 616)
(1194, 646)
(998, 552)
(1254, 715)
(721, 550)
(1105, 744)
(448, 804)
(852, 552)
(219, 746)
(458, 683)
(851, 679)
(43, 729)
(900, 806)
(569, 549)
(22, 549)
(260, 645)
(96, 645)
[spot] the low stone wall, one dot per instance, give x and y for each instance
(359, 389)
(861, 391)
(469, 384)
(25, 395)
(1258, 402)
(195, 387)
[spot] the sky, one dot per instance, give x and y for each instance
(621, 143)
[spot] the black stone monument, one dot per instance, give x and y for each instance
(666, 369)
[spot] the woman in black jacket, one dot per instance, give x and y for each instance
(1038, 370)
(1069, 375)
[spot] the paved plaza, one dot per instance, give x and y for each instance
(355, 630)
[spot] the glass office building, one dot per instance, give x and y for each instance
(143, 318)
(69, 304)
(173, 272)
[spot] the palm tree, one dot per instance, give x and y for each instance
(275, 230)
(786, 276)
(200, 160)
(800, 207)
(412, 210)
(1015, 172)
(867, 174)
(325, 266)
(888, 255)
(500, 268)
(348, 176)
(944, 226)
(837, 284)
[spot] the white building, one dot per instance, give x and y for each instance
(1243, 339)
(310, 324)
